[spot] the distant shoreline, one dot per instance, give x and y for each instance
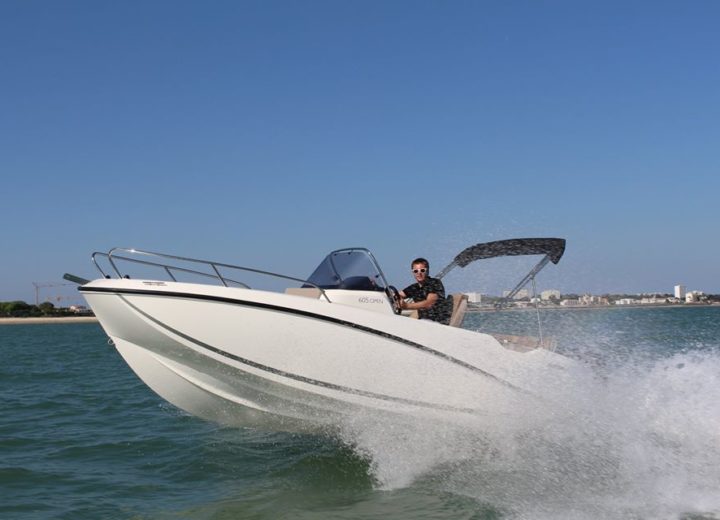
(93, 319)
(61, 319)
(598, 307)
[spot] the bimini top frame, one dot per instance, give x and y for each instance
(551, 248)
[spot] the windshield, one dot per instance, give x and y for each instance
(354, 269)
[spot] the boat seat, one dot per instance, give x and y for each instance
(308, 292)
(459, 307)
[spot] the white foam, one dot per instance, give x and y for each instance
(642, 440)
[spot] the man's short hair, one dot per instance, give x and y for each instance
(421, 261)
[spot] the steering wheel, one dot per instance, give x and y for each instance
(394, 296)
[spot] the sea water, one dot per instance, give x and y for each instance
(636, 435)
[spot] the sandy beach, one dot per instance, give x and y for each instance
(65, 319)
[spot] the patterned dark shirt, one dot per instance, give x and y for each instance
(420, 293)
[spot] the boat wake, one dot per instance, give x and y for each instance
(639, 440)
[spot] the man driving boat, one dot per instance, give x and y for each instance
(428, 293)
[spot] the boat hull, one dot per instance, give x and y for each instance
(281, 362)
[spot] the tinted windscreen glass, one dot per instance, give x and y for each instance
(347, 270)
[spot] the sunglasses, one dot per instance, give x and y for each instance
(416, 271)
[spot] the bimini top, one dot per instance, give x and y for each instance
(553, 248)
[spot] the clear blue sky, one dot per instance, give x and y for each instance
(268, 133)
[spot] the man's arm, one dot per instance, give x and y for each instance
(425, 304)
(407, 292)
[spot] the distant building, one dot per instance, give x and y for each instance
(522, 293)
(693, 296)
(652, 300)
(570, 303)
(589, 299)
(474, 297)
(680, 291)
(550, 294)
(626, 301)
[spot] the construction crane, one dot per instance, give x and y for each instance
(56, 289)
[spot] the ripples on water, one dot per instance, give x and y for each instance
(81, 437)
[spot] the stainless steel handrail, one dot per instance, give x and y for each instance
(169, 268)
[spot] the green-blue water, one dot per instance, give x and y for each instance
(82, 437)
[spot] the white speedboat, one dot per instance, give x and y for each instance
(313, 353)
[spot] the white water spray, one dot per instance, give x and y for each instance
(640, 441)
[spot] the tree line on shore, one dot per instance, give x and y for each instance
(20, 309)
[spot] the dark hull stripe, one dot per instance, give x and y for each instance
(307, 314)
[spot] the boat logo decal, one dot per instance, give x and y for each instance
(368, 299)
